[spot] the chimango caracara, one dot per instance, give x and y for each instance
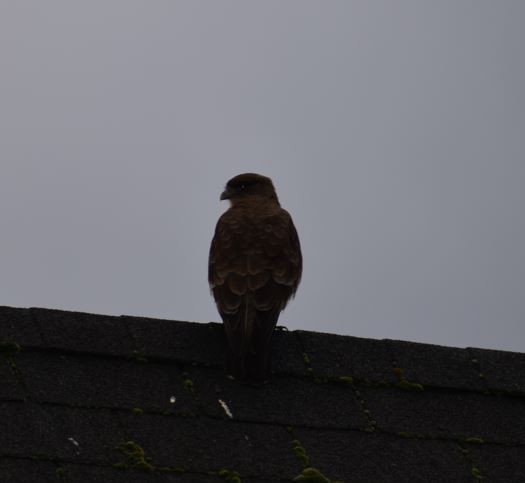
(254, 268)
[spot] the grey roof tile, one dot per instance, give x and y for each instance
(287, 354)
(363, 410)
(25, 470)
(360, 457)
(81, 332)
(448, 414)
(335, 355)
(436, 365)
(501, 370)
(86, 435)
(499, 463)
(202, 445)
(280, 401)
(183, 341)
(17, 325)
(109, 474)
(81, 380)
(10, 387)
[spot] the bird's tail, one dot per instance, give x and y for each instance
(250, 343)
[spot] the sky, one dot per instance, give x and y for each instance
(394, 133)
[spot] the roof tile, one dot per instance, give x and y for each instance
(281, 401)
(183, 341)
(502, 370)
(199, 445)
(98, 391)
(435, 365)
(17, 325)
(334, 356)
(360, 457)
(25, 470)
(81, 332)
(78, 379)
(448, 414)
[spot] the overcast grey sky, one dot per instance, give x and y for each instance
(394, 133)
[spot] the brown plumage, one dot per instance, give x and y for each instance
(254, 268)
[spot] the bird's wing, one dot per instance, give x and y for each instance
(253, 271)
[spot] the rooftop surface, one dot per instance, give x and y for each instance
(94, 398)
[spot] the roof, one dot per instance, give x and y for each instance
(94, 398)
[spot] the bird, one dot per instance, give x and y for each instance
(254, 268)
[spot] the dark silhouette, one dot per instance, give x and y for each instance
(255, 267)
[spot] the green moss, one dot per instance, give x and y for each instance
(189, 384)
(409, 386)
(346, 379)
(136, 456)
(318, 380)
(169, 469)
(120, 466)
(139, 356)
(312, 475)
(404, 434)
(476, 474)
(299, 451)
(474, 440)
(137, 411)
(306, 359)
(9, 347)
(60, 472)
(230, 475)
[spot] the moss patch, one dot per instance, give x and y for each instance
(9, 347)
(60, 472)
(312, 475)
(230, 475)
(409, 386)
(135, 456)
(299, 451)
(139, 356)
(474, 440)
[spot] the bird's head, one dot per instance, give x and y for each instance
(249, 186)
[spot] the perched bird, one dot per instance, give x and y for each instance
(254, 268)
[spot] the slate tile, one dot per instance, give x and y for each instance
(84, 435)
(10, 388)
(502, 370)
(204, 444)
(499, 463)
(104, 382)
(448, 414)
(359, 457)
(101, 474)
(281, 400)
(434, 365)
(81, 332)
(17, 325)
(26, 430)
(336, 355)
(287, 354)
(183, 341)
(22, 470)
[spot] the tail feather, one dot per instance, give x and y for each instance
(249, 333)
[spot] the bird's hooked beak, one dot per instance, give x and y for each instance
(226, 194)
